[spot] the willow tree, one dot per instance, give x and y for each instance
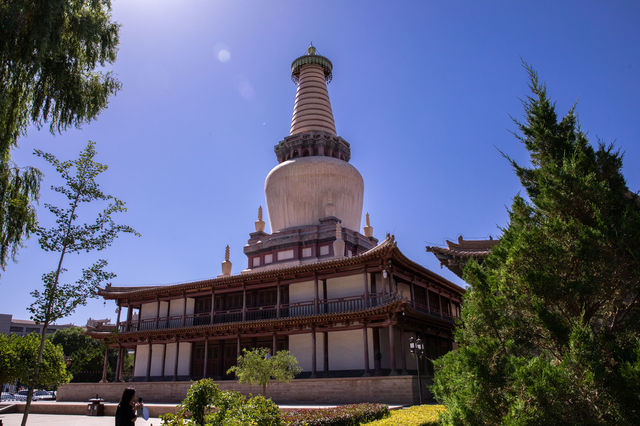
(52, 54)
(551, 322)
(69, 235)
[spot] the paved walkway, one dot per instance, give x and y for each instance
(63, 420)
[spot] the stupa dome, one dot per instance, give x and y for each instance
(314, 179)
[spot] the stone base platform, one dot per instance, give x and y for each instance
(392, 390)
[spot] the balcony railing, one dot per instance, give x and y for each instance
(289, 310)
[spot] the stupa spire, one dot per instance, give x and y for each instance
(312, 108)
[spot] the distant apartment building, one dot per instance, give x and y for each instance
(9, 325)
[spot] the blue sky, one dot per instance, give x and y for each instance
(421, 90)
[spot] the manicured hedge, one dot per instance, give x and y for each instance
(418, 415)
(344, 415)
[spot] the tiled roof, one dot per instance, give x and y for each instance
(387, 248)
(456, 254)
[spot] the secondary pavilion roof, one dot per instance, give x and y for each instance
(380, 255)
(455, 255)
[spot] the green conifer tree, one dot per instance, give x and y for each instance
(551, 322)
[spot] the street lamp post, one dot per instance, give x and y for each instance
(416, 347)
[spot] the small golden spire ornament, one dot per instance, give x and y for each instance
(226, 265)
(259, 224)
(368, 229)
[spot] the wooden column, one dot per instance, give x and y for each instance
(413, 294)
(324, 295)
(175, 364)
(244, 302)
(376, 351)
(313, 353)
(366, 287)
(403, 352)
(158, 313)
(104, 365)
(428, 303)
(278, 299)
(238, 350)
(148, 375)
(118, 318)
(119, 369)
(164, 358)
(365, 339)
(440, 304)
(206, 356)
(274, 344)
(213, 306)
(315, 293)
(325, 364)
(392, 350)
(184, 310)
(139, 316)
(129, 316)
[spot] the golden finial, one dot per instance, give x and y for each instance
(311, 50)
(260, 213)
(368, 229)
(226, 253)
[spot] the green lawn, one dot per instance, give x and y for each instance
(417, 415)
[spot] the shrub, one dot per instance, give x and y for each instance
(345, 415)
(200, 398)
(419, 415)
(209, 406)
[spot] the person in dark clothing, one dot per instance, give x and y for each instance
(126, 411)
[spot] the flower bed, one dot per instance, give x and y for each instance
(344, 415)
(418, 415)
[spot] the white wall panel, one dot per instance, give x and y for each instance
(156, 359)
(184, 359)
(170, 359)
(142, 355)
(351, 285)
(346, 350)
(302, 292)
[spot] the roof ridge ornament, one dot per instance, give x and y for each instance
(259, 224)
(368, 229)
(226, 265)
(311, 50)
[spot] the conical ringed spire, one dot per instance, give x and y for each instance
(312, 108)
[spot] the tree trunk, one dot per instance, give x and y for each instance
(264, 390)
(36, 373)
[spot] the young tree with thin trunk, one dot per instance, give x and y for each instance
(57, 299)
(257, 367)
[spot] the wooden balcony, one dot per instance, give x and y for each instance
(289, 310)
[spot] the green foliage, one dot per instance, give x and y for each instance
(344, 415)
(58, 300)
(50, 54)
(551, 320)
(18, 188)
(8, 358)
(86, 354)
(257, 411)
(200, 398)
(255, 367)
(18, 356)
(210, 406)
